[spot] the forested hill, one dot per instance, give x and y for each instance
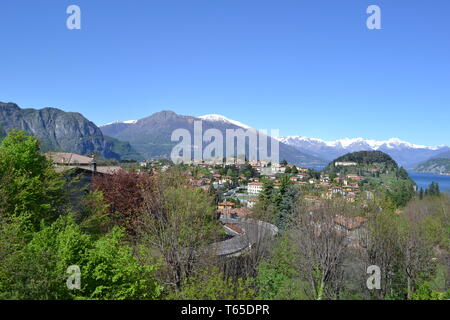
(374, 169)
(374, 159)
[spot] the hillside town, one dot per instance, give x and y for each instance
(238, 184)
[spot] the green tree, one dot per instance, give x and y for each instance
(36, 269)
(400, 193)
(285, 208)
(29, 184)
(111, 272)
(277, 277)
(267, 193)
(433, 189)
(424, 292)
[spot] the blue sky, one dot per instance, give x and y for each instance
(306, 67)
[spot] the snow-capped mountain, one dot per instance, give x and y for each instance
(405, 153)
(220, 118)
(151, 136)
(118, 122)
(348, 143)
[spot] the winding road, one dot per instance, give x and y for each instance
(254, 231)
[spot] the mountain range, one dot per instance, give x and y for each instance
(406, 154)
(315, 151)
(151, 136)
(58, 130)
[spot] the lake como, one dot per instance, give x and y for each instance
(424, 179)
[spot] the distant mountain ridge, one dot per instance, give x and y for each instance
(406, 154)
(436, 165)
(374, 144)
(151, 136)
(443, 155)
(58, 130)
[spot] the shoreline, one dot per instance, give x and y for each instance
(445, 174)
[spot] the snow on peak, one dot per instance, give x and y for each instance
(218, 117)
(116, 122)
(300, 138)
(348, 142)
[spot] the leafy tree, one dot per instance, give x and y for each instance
(111, 272)
(424, 292)
(29, 185)
(36, 269)
(94, 217)
(277, 277)
(122, 192)
(400, 193)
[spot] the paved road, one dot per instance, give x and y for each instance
(254, 232)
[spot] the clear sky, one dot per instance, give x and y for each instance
(306, 67)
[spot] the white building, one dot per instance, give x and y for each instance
(345, 164)
(255, 187)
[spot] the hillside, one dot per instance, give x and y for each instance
(151, 136)
(123, 149)
(58, 130)
(437, 166)
(367, 159)
(373, 169)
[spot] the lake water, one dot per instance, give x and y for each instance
(424, 179)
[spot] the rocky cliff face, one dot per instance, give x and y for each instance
(58, 130)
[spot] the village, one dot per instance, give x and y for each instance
(237, 184)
